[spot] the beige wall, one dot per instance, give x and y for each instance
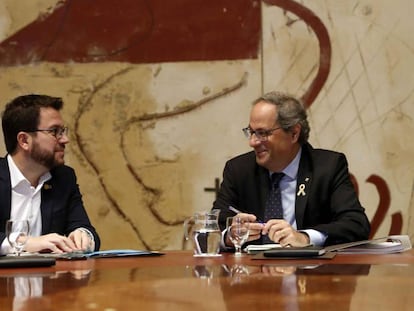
(141, 179)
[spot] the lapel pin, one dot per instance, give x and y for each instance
(47, 186)
(301, 190)
(302, 187)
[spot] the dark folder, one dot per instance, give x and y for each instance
(25, 262)
(108, 254)
(294, 252)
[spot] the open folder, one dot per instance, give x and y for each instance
(97, 254)
(385, 245)
(109, 254)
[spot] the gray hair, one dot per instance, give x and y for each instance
(290, 111)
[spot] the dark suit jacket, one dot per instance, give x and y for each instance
(330, 204)
(61, 203)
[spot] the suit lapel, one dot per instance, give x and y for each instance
(264, 185)
(5, 190)
(46, 206)
(304, 182)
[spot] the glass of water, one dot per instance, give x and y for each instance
(17, 232)
(238, 232)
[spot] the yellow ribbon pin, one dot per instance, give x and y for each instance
(301, 190)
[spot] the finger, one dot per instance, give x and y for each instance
(278, 234)
(76, 238)
(81, 239)
(288, 238)
(85, 241)
(246, 217)
(65, 244)
(269, 224)
(256, 227)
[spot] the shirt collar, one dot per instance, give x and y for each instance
(292, 169)
(16, 176)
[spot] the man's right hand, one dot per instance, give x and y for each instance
(51, 242)
(255, 228)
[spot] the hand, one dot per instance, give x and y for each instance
(82, 240)
(52, 242)
(255, 228)
(282, 232)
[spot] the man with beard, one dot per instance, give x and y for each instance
(35, 185)
(313, 201)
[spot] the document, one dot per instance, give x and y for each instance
(253, 249)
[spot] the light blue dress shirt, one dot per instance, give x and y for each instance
(288, 192)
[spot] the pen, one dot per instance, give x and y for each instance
(235, 210)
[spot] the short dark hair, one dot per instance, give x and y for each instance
(290, 111)
(23, 114)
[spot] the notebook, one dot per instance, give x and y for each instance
(25, 262)
(308, 251)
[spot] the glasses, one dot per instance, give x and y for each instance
(261, 135)
(57, 132)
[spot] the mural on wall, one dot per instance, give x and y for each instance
(137, 31)
(151, 89)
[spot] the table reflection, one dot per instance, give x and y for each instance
(33, 287)
(292, 282)
(238, 270)
(266, 286)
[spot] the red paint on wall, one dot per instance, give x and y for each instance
(138, 31)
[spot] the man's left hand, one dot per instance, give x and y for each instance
(280, 231)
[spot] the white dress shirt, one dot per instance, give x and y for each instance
(25, 201)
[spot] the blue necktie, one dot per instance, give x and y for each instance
(273, 207)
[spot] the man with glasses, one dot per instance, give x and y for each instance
(35, 185)
(317, 201)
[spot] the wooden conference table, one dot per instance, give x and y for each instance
(178, 281)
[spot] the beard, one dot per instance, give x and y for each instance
(45, 157)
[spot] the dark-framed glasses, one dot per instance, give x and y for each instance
(261, 135)
(57, 131)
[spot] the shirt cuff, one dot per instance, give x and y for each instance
(5, 248)
(223, 245)
(315, 237)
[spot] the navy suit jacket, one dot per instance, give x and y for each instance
(61, 204)
(329, 203)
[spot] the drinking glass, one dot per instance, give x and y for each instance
(238, 232)
(17, 232)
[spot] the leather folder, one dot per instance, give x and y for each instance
(25, 262)
(294, 252)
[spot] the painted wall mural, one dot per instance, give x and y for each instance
(156, 93)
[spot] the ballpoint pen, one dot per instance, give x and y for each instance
(235, 210)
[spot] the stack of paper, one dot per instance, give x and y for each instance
(253, 249)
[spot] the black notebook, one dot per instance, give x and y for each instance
(25, 262)
(308, 251)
